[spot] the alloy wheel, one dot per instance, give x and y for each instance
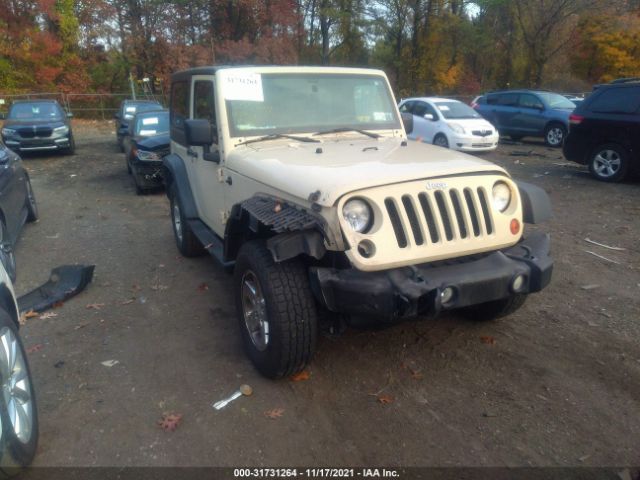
(254, 310)
(606, 163)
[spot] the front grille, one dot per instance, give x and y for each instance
(482, 133)
(32, 132)
(443, 216)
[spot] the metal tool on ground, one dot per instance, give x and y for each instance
(244, 389)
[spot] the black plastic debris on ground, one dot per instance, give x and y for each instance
(64, 282)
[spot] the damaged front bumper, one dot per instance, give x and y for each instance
(148, 172)
(418, 290)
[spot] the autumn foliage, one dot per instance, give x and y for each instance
(426, 46)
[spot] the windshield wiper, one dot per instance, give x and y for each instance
(273, 136)
(347, 129)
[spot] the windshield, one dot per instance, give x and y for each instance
(151, 124)
(553, 100)
(35, 111)
(306, 103)
(131, 109)
(456, 110)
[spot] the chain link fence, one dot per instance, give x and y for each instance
(95, 106)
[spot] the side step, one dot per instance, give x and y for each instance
(210, 240)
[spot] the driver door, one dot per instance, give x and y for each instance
(207, 176)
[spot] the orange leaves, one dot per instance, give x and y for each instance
(274, 413)
(386, 399)
(170, 421)
(301, 376)
(488, 339)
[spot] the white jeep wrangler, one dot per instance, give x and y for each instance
(302, 179)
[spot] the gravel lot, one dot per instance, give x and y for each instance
(557, 384)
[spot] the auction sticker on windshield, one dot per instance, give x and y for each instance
(243, 86)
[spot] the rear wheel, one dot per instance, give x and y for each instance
(554, 135)
(18, 412)
(609, 163)
(441, 141)
(496, 308)
(186, 241)
(276, 311)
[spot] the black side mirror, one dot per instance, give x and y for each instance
(407, 121)
(198, 132)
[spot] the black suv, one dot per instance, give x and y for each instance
(605, 131)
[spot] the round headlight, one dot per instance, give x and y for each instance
(358, 215)
(501, 196)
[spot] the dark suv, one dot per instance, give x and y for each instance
(527, 113)
(126, 112)
(605, 131)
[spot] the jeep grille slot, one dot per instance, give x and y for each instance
(457, 208)
(485, 210)
(473, 211)
(444, 214)
(396, 222)
(425, 203)
(413, 219)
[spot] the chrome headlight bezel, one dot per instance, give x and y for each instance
(8, 132)
(501, 196)
(147, 156)
(358, 214)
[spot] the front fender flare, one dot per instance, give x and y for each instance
(177, 178)
(536, 206)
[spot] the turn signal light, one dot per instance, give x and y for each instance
(575, 119)
(514, 226)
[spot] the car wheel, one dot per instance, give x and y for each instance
(276, 311)
(609, 163)
(496, 308)
(554, 135)
(18, 411)
(71, 150)
(187, 242)
(32, 206)
(441, 141)
(7, 255)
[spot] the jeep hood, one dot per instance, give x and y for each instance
(338, 167)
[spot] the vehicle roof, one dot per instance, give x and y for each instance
(35, 100)
(211, 70)
(129, 100)
(432, 99)
(518, 90)
(151, 112)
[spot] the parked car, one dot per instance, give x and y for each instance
(303, 181)
(528, 113)
(126, 112)
(18, 410)
(449, 124)
(605, 131)
(17, 205)
(35, 125)
(148, 142)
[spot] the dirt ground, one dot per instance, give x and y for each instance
(556, 384)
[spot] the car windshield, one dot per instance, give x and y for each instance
(264, 104)
(35, 111)
(456, 110)
(151, 124)
(131, 109)
(554, 100)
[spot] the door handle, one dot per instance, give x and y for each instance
(192, 153)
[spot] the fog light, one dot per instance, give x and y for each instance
(446, 295)
(514, 226)
(518, 283)
(366, 249)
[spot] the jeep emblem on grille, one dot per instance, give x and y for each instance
(436, 186)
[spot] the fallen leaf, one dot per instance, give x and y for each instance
(35, 348)
(386, 399)
(170, 421)
(488, 339)
(110, 363)
(274, 413)
(82, 325)
(26, 315)
(301, 376)
(127, 302)
(95, 306)
(203, 287)
(46, 315)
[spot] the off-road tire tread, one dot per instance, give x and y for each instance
(290, 306)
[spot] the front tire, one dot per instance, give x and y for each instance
(496, 308)
(186, 241)
(441, 141)
(554, 135)
(609, 163)
(18, 410)
(71, 150)
(276, 311)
